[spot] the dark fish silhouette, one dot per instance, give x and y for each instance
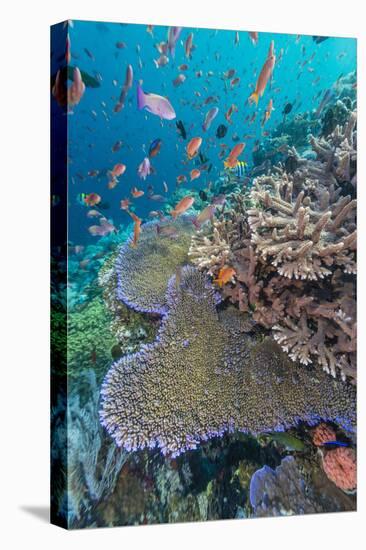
(67, 73)
(287, 109)
(181, 129)
(221, 131)
(319, 39)
(203, 195)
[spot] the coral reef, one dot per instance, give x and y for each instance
(92, 461)
(203, 376)
(143, 272)
(340, 467)
(294, 253)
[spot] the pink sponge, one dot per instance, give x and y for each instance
(341, 468)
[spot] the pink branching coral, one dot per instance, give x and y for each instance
(323, 434)
(292, 243)
(340, 467)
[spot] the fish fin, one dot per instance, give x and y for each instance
(140, 97)
(253, 98)
(173, 214)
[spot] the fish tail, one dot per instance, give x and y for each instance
(140, 97)
(253, 98)
(218, 282)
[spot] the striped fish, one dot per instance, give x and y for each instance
(240, 170)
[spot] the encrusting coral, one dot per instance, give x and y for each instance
(203, 377)
(144, 271)
(294, 253)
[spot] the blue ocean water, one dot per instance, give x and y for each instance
(302, 75)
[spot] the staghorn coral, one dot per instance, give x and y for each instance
(203, 377)
(340, 467)
(143, 272)
(294, 253)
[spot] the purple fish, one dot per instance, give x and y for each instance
(144, 169)
(204, 216)
(327, 97)
(126, 86)
(157, 198)
(219, 199)
(129, 77)
(155, 104)
(173, 35)
(212, 113)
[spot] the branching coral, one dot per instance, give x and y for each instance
(203, 377)
(294, 253)
(144, 271)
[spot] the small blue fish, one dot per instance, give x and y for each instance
(335, 444)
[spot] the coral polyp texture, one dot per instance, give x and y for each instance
(292, 242)
(340, 467)
(203, 377)
(144, 271)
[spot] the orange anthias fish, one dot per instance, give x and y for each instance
(136, 229)
(92, 199)
(124, 204)
(232, 109)
(195, 173)
(225, 275)
(232, 159)
(268, 111)
(182, 206)
(118, 170)
(136, 193)
(181, 179)
(193, 146)
(254, 37)
(264, 75)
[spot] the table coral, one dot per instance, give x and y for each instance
(203, 377)
(144, 271)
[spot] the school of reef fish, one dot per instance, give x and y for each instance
(212, 344)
